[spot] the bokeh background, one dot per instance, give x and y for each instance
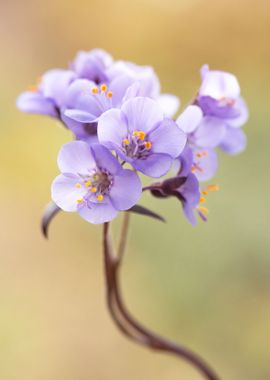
(207, 287)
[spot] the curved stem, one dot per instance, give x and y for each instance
(125, 321)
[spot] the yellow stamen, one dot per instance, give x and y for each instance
(79, 200)
(125, 142)
(93, 190)
(148, 144)
(205, 192)
(201, 154)
(94, 90)
(139, 134)
(109, 94)
(213, 187)
(78, 185)
(100, 197)
(103, 88)
(203, 210)
(202, 200)
(87, 184)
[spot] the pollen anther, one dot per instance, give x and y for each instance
(103, 88)
(94, 90)
(203, 210)
(93, 190)
(125, 142)
(109, 94)
(139, 134)
(100, 197)
(78, 185)
(87, 184)
(148, 144)
(201, 154)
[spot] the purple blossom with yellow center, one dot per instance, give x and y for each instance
(141, 135)
(93, 183)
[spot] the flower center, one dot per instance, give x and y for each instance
(98, 185)
(136, 146)
(103, 97)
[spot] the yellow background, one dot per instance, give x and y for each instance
(207, 287)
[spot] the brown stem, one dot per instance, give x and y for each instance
(125, 321)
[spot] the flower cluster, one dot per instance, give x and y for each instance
(119, 119)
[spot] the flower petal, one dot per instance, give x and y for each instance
(65, 193)
(169, 104)
(185, 162)
(210, 132)
(155, 165)
(98, 213)
(78, 87)
(80, 116)
(75, 157)
(142, 114)
(243, 114)
(126, 190)
(219, 84)
(207, 164)
(55, 83)
(234, 141)
(189, 120)
(36, 103)
(112, 128)
(167, 138)
(104, 159)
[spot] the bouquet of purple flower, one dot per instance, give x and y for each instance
(123, 126)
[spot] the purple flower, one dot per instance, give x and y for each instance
(93, 183)
(220, 100)
(141, 136)
(85, 102)
(219, 96)
(48, 95)
(92, 65)
(144, 82)
(185, 189)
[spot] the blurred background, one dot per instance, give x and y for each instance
(207, 287)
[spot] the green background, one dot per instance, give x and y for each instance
(207, 287)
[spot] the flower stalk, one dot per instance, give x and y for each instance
(127, 324)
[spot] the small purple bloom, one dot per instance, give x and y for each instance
(220, 100)
(144, 82)
(185, 189)
(48, 96)
(93, 183)
(141, 136)
(92, 65)
(219, 96)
